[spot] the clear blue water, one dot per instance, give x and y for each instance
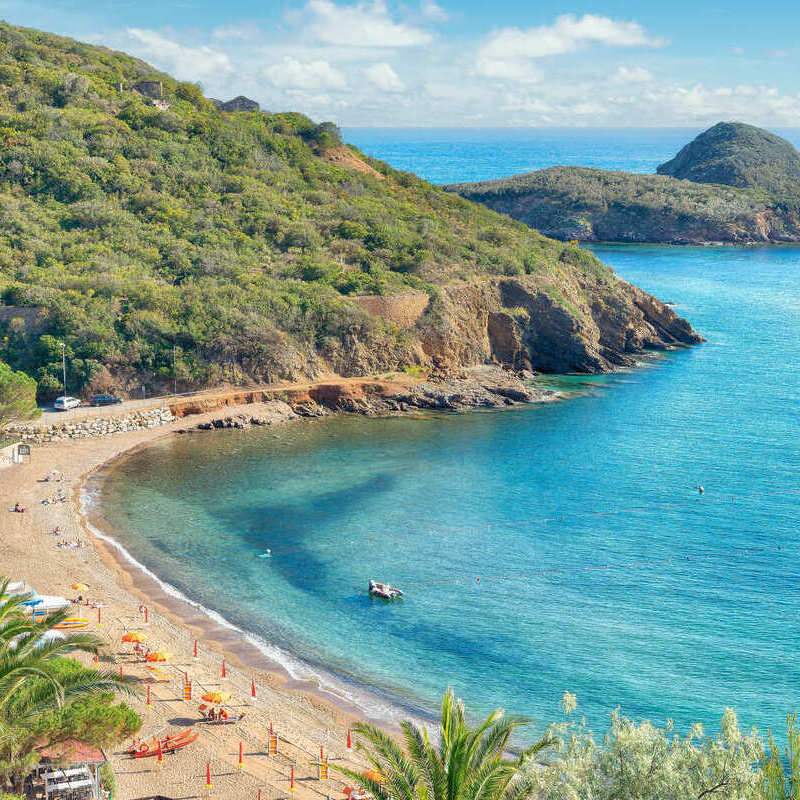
(450, 155)
(603, 570)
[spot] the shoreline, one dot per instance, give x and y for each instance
(306, 717)
(249, 651)
(311, 707)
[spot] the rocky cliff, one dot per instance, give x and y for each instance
(590, 327)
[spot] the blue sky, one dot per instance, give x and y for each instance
(468, 63)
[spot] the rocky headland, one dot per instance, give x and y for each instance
(190, 244)
(733, 184)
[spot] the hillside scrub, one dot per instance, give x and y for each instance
(734, 183)
(184, 243)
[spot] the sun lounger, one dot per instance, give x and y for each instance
(226, 720)
(158, 675)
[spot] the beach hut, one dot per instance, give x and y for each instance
(71, 770)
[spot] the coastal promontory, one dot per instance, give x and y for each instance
(734, 184)
(173, 244)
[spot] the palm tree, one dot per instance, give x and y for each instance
(468, 763)
(777, 783)
(33, 681)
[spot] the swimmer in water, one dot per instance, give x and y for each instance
(266, 554)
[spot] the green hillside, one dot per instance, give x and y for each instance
(603, 205)
(735, 154)
(139, 230)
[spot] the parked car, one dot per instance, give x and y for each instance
(105, 400)
(65, 403)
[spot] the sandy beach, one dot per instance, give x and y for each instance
(304, 718)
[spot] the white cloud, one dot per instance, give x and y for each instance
(506, 53)
(347, 77)
(362, 24)
(242, 33)
(293, 74)
(186, 63)
(516, 70)
(631, 75)
(384, 77)
(434, 11)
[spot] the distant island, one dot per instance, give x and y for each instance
(733, 184)
(173, 241)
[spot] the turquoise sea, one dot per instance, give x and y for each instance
(602, 568)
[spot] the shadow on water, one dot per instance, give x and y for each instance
(288, 529)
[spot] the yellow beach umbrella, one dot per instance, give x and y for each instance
(79, 587)
(134, 636)
(217, 697)
(159, 655)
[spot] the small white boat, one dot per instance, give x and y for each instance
(378, 589)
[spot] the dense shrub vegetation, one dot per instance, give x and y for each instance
(224, 244)
(597, 189)
(733, 183)
(736, 154)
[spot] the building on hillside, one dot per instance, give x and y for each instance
(163, 105)
(152, 89)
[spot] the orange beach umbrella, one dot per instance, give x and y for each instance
(79, 587)
(374, 775)
(217, 697)
(134, 636)
(159, 655)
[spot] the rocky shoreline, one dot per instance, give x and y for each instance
(487, 387)
(479, 387)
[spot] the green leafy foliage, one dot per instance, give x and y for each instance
(17, 396)
(230, 239)
(639, 761)
(781, 775)
(467, 762)
(46, 698)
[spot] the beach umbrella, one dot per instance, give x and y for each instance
(217, 697)
(79, 587)
(159, 655)
(134, 636)
(374, 775)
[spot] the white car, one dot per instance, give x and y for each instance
(66, 403)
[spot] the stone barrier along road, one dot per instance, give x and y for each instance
(99, 426)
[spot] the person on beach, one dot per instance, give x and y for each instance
(18, 509)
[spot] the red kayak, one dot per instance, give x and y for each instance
(169, 744)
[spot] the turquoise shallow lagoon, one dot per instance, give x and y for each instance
(603, 570)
